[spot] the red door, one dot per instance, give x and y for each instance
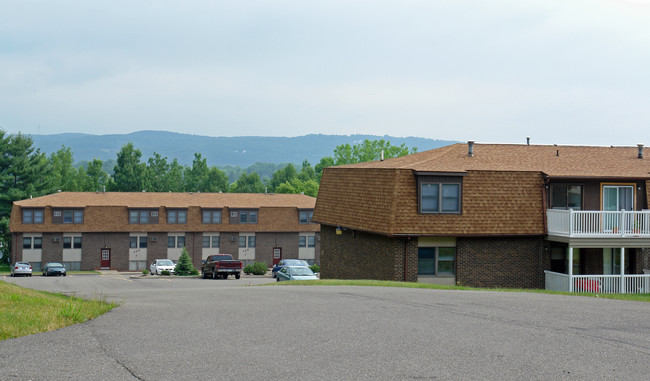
(106, 259)
(277, 255)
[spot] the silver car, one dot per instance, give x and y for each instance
(160, 265)
(295, 273)
(21, 268)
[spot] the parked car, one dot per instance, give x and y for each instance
(221, 266)
(295, 273)
(21, 268)
(53, 268)
(160, 265)
(287, 262)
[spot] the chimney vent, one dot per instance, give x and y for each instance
(470, 148)
(382, 155)
(527, 140)
(640, 155)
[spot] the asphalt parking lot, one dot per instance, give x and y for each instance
(171, 328)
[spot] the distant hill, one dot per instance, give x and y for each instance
(241, 151)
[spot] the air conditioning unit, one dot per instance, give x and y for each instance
(56, 239)
(153, 238)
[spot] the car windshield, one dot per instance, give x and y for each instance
(166, 262)
(22, 264)
(295, 262)
(54, 265)
(301, 271)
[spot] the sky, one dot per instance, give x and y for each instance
(557, 71)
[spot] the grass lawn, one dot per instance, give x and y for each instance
(383, 283)
(25, 311)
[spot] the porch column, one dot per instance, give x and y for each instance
(570, 269)
(622, 270)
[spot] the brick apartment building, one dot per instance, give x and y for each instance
(489, 215)
(127, 231)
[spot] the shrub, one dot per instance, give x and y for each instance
(260, 268)
(145, 272)
(315, 268)
(165, 272)
(184, 265)
(248, 269)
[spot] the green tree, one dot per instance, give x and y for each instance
(308, 187)
(324, 162)
(157, 174)
(184, 265)
(369, 150)
(64, 175)
(307, 172)
(95, 178)
(283, 175)
(129, 172)
(248, 184)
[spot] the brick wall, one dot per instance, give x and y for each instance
(501, 262)
(359, 255)
(265, 242)
(93, 243)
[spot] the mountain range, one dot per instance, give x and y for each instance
(218, 151)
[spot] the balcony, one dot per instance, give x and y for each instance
(598, 224)
(599, 284)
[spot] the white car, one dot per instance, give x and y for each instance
(21, 268)
(160, 265)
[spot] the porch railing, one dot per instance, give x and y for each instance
(599, 284)
(597, 223)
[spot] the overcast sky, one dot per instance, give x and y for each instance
(559, 71)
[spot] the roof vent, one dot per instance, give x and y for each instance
(470, 148)
(640, 155)
(527, 140)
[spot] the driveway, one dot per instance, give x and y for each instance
(180, 328)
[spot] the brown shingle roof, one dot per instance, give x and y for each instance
(170, 200)
(555, 161)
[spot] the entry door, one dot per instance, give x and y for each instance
(106, 259)
(277, 255)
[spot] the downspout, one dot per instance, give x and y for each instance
(544, 203)
(406, 258)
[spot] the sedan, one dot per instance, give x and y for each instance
(53, 268)
(287, 262)
(160, 265)
(21, 268)
(296, 273)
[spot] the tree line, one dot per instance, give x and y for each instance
(26, 172)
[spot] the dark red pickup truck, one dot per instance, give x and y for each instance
(220, 266)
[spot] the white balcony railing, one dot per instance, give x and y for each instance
(599, 284)
(598, 224)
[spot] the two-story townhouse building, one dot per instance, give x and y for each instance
(489, 215)
(126, 231)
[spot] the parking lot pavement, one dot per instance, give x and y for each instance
(189, 328)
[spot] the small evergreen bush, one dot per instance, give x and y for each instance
(248, 269)
(145, 272)
(184, 265)
(165, 272)
(315, 268)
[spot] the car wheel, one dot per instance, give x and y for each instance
(277, 279)
(44, 274)
(65, 274)
(237, 276)
(225, 276)
(203, 276)
(214, 274)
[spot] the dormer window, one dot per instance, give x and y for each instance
(439, 194)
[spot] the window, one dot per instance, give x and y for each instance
(171, 241)
(180, 242)
(27, 242)
(242, 241)
(211, 216)
(72, 242)
(32, 216)
(311, 241)
(248, 217)
(207, 240)
(566, 196)
(436, 260)
(251, 241)
(176, 216)
(618, 197)
(67, 216)
(77, 242)
(143, 242)
(38, 242)
(305, 216)
(78, 216)
(133, 243)
(439, 198)
(143, 216)
(215, 241)
(67, 242)
(302, 241)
